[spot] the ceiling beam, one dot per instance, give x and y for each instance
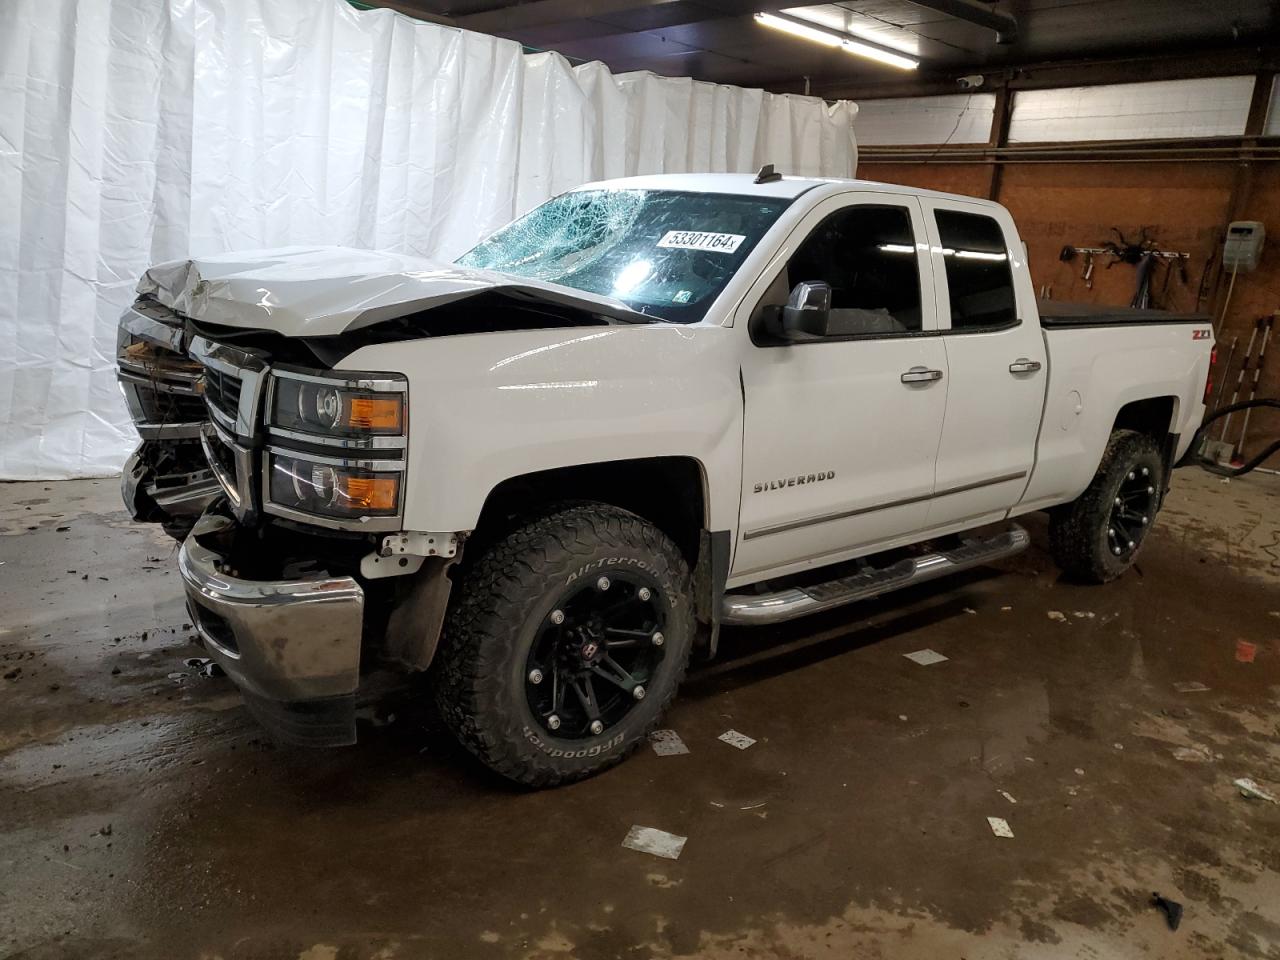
(1081, 73)
(418, 11)
(540, 13)
(1005, 26)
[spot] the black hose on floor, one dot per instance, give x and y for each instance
(1194, 456)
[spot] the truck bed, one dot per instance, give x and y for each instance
(1059, 313)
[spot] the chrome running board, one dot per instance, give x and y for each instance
(747, 609)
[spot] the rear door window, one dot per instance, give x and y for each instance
(979, 276)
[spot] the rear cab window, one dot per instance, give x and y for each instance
(979, 274)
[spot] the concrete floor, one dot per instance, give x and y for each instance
(144, 815)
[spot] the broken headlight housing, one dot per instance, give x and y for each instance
(336, 450)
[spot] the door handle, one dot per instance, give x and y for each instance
(921, 375)
(1023, 365)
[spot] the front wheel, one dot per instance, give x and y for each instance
(568, 639)
(1097, 537)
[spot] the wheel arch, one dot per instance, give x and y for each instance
(671, 492)
(1154, 416)
(1157, 418)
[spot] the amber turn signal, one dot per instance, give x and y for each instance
(375, 413)
(377, 494)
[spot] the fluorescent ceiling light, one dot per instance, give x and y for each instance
(829, 38)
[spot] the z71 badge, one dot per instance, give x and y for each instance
(793, 481)
(1201, 334)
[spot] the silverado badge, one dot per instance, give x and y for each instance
(793, 481)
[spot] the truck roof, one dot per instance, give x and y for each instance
(744, 184)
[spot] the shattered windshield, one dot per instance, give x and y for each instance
(667, 253)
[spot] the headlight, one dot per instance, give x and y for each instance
(333, 409)
(332, 488)
(352, 431)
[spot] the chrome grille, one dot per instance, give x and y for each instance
(233, 386)
(222, 392)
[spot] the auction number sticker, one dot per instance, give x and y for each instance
(700, 240)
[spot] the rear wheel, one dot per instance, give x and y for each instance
(1097, 537)
(568, 640)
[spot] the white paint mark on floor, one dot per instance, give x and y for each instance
(1249, 788)
(735, 739)
(657, 842)
(667, 743)
(925, 657)
(1000, 827)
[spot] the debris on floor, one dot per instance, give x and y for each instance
(1171, 909)
(1246, 651)
(1193, 754)
(1008, 796)
(657, 842)
(1000, 827)
(925, 657)
(1083, 614)
(735, 739)
(204, 667)
(1057, 615)
(1190, 686)
(667, 743)
(1249, 788)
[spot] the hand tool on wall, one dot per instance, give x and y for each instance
(1227, 302)
(1142, 283)
(1253, 391)
(1235, 394)
(1226, 369)
(1143, 254)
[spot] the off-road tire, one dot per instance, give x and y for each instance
(503, 599)
(1078, 536)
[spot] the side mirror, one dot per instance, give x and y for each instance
(807, 311)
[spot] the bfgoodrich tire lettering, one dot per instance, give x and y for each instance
(1084, 537)
(505, 601)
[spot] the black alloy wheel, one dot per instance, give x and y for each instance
(1133, 507)
(595, 654)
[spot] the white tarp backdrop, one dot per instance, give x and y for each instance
(135, 131)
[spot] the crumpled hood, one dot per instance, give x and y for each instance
(324, 291)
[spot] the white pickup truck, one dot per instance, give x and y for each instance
(545, 474)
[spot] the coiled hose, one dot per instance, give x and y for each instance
(1194, 455)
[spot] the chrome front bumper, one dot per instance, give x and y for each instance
(291, 646)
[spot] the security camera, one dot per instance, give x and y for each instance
(971, 82)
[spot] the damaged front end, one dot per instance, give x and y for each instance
(300, 579)
(287, 633)
(167, 479)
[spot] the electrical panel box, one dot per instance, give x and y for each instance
(1243, 248)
